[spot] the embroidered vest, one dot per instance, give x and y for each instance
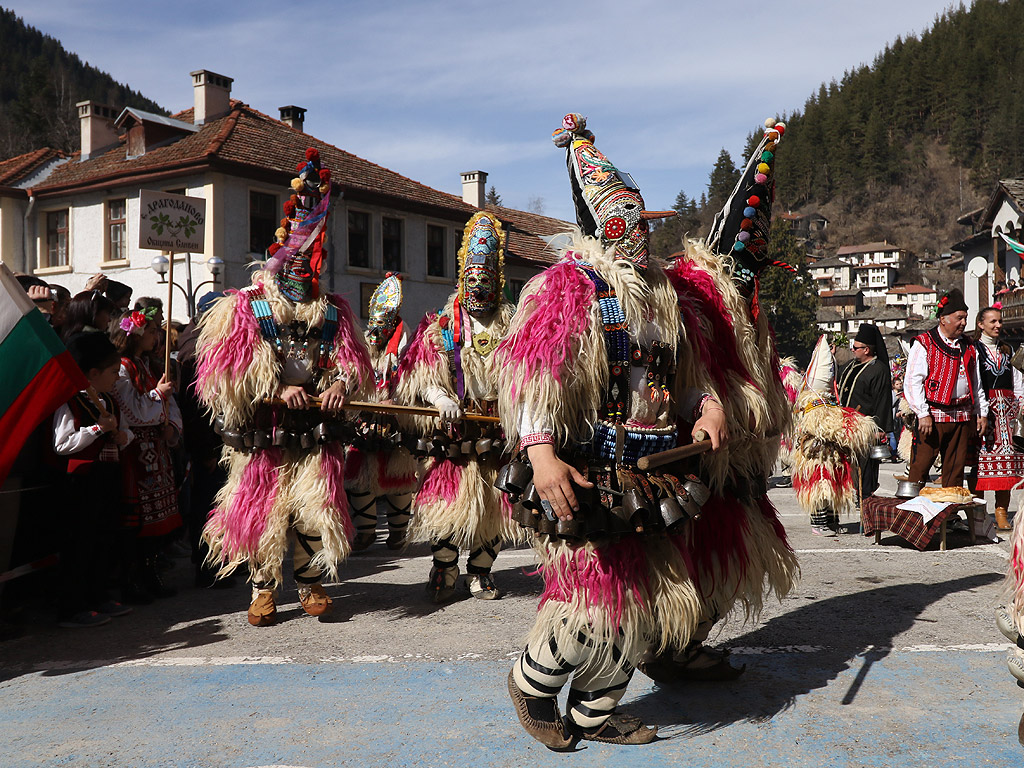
(944, 366)
(994, 374)
(103, 448)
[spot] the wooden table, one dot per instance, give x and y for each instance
(880, 513)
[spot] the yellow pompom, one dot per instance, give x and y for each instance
(281, 234)
(297, 185)
(763, 168)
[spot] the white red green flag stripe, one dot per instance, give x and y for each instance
(36, 372)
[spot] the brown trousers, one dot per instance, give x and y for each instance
(950, 439)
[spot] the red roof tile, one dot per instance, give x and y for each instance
(524, 231)
(18, 168)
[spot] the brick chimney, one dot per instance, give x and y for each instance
(212, 95)
(96, 122)
(293, 116)
(474, 187)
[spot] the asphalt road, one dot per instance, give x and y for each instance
(882, 655)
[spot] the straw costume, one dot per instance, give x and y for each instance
(283, 337)
(450, 366)
(376, 466)
(599, 367)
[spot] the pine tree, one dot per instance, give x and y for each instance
(722, 180)
(493, 198)
(791, 300)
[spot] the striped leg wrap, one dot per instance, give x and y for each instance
(482, 558)
(545, 666)
(445, 553)
(398, 511)
(363, 509)
(306, 547)
(596, 690)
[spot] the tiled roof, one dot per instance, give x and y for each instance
(524, 230)
(831, 261)
(874, 266)
(911, 289)
(850, 250)
(887, 312)
(246, 139)
(18, 168)
(825, 315)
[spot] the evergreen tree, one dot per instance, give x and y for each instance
(722, 180)
(492, 197)
(791, 300)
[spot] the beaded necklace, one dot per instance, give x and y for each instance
(271, 331)
(616, 339)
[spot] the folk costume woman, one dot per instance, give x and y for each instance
(450, 366)
(149, 494)
(263, 353)
(595, 372)
(999, 466)
(376, 466)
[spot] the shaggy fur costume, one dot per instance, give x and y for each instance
(640, 591)
(267, 490)
(457, 499)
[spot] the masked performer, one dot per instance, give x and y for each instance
(376, 466)
(830, 440)
(590, 385)
(263, 353)
(450, 366)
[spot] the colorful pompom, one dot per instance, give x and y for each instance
(754, 200)
(298, 185)
(760, 178)
(767, 155)
(763, 167)
(738, 246)
(313, 155)
(561, 137)
(749, 212)
(780, 128)
(743, 236)
(289, 209)
(325, 175)
(769, 122)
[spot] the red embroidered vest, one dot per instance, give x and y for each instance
(101, 449)
(944, 365)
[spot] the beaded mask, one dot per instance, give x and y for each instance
(385, 304)
(482, 265)
(608, 202)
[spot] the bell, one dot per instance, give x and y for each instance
(454, 451)
(697, 491)
(672, 514)
(634, 505)
(232, 439)
(544, 525)
(879, 452)
(261, 439)
(531, 498)
(526, 518)
(467, 447)
(422, 447)
(321, 433)
(595, 524)
(483, 446)
(307, 440)
(569, 530)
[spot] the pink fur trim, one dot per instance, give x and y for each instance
(421, 350)
(232, 353)
(332, 465)
(242, 523)
(601, 580)
(558, 313)
(350, 352)
(441, 483)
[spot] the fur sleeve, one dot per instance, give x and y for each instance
(423, 365)
(553, 360)
(350, 352)
(236, 367)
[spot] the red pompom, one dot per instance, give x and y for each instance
(780, 128)
(313, 155)
(300, 167)
(442, 321)
(289, 209)
(286, 224)
(746, 224)
(294, 199)
(325, 175)
(274, 248)
(754, 201)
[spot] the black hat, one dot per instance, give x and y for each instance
(952, 302)
(870, 335)
(92, 349)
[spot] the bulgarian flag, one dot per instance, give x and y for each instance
(37, 373)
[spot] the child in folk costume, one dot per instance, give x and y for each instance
(88, 434)
(594, 375)
(148, 408)
(830, 440)
(450, 366)
(263, 352)
(376, 466)
(999, 466)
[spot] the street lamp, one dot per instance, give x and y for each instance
(214, 264)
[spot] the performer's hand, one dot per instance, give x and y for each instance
(107, 423)
(165, 387)
(334, 398)
(712, 423)
(553, 479)
(450, 410)
(121, 438)
(295, 397)
(924, 426)
(982, 425)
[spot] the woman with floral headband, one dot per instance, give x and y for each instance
(149, 494)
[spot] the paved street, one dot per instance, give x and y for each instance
(881, 656)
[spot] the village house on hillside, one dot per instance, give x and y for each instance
(64, 218)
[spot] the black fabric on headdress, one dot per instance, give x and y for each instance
(954, 302)
(870, 335)
(588, 226)
(92, 349)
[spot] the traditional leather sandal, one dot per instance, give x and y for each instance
(702, 664)
(481, 586)
(620, 728)
(440, 587)
(396, 540)
(314, 600)
(262, 611)
(363, 541)
(550, 730)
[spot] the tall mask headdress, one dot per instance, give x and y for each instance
(821, 372)
(608, 202)
(385, 306)
(297, 256)
(743, 226)
(482, 264)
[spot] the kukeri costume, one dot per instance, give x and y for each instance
(597, 364)
(376, 466)
(285, 466)
(450, 366)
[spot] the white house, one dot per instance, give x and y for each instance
(67, 218)
(832, 273)
(918, 299)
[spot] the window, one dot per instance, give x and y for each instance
(513, 288)
(117, 240)
(56, 239)
(358, 239)
(435, 251)
(391, 244)
(263, 221)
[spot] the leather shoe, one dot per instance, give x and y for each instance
(262, 611)
(314, 600)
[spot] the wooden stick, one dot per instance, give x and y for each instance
(167, 317)
(403, 410)
(676, 454)
(94, 398)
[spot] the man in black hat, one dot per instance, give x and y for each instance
(865, 384)
(944, 391)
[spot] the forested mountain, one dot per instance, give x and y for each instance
(898, 149)
(40, 83)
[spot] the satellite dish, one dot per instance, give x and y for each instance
(977, 267)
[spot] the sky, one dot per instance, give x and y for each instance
(433, 88)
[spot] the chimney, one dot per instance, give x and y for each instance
(293, 116)
(212, 95)
(474, 187)
(96, 122)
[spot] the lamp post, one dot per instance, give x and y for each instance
(160, 265)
